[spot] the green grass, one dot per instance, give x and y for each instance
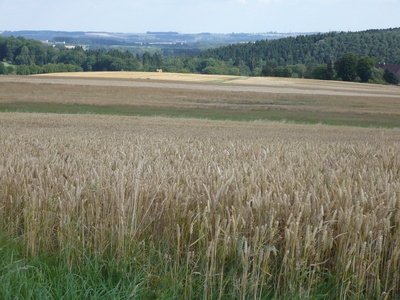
(271, 114)
(50, 277)
(147, 274)
(47, 277)
(230, 79)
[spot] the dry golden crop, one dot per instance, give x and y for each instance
(250, 208)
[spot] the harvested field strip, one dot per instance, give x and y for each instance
(148, 76)
(119, 96)
(280, 84)
(230, 85)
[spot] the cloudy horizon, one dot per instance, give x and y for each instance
(193, 16)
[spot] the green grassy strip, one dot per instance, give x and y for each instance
(299, 117)
(230, 79)
(147, 274)
(49, 277)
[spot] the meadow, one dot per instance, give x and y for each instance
(204, 96)
(101, 206)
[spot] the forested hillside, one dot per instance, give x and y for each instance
(306, 56)
(381, 45)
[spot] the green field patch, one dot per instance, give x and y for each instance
(266, 114)
(230, 79)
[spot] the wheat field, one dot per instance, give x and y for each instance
(209, 209)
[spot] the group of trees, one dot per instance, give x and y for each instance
(28, 56)
(35, 69)
(346, 56)
(348, 67)
(390, 77)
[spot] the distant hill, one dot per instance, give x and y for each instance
(168, 43)
(381, 45)
(148, 38)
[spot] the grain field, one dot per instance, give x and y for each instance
(208, 209)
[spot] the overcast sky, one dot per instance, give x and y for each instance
(195, 16)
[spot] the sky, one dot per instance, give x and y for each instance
(196, 16)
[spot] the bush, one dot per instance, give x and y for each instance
(59, 68)
(11, 70)
(3, 69)
(390, 77)
(320, 72)
(377, 76)
(23, 70)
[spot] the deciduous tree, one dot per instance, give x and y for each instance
(364, 68)
(346, 66)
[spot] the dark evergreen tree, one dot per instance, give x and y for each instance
(320, 72)
(3, 69)
(390, 77)
(268, 69)
(329, 71)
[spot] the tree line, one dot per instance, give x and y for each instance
(348, 67)
(318, 56)
(311, 56)
(29, 56)
(381, 45)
